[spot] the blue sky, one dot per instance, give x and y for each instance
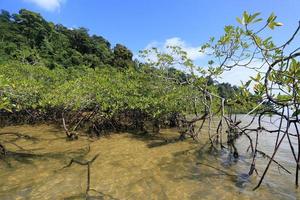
(138, 23)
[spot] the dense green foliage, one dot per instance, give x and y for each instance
(40, 88)
(45, 66)
(29, 38)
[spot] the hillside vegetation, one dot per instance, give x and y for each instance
(49, 69)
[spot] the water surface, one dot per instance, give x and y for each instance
(134, 167)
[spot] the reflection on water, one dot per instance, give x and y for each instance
(134, 167)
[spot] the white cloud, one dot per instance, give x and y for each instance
(50, 5)
(233, 76)
(237, 74)
(192, 51)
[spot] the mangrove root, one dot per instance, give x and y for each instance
(84, 163)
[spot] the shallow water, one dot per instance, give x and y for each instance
(134, 167)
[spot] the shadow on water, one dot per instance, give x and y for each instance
(156, 140)
(208, 163)
(222, 161)
(30, 158)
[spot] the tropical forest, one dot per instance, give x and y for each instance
(86, 117)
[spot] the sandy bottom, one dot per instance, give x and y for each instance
(128, 167)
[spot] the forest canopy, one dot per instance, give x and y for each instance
(46, 65)
(27, 37)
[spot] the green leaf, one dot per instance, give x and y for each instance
(257, 78)
(271, 18)
(246, 17)
(297, 112)
(255, 15)
(271, 25)
(248, 83)
(252, 17)
(257, 20)
(258, 40)
(278, 24)
(239, 21)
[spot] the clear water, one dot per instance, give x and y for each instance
(134, 167)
